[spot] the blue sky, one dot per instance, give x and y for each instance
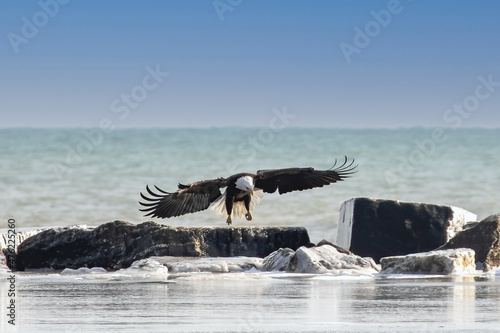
(231, 62)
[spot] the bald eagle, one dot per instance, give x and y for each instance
(243, 191)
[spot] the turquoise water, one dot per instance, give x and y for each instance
(54, 177)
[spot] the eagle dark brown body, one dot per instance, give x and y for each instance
(243, 191)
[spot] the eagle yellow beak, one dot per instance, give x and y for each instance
(251, 192)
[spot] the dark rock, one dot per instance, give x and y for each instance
(382, 228)
(483, 238)
(9, 243)
(470, 225)
(118, 244)
(338, 248)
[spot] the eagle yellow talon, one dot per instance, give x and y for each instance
(229, 220)
(248, 216)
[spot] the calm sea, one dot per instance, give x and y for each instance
(55, 177)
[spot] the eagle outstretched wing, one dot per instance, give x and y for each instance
(298, 179)
(187, 199)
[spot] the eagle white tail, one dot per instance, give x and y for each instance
(239, 210)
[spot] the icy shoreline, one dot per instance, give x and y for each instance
(152, 270)
(396, 237)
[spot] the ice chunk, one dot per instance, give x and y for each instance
(83, 270)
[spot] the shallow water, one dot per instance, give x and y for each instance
(44, 186)
(54, 177)
(249, 302)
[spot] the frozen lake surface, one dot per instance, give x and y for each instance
(252, 302)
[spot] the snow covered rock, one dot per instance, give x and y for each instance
(379, 228)
(319, 259)
(442, 262)
(326, 259)
(278, 260)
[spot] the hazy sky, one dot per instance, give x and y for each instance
(231, 62)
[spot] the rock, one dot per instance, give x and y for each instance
(278, 260)
(454, 261)
(19, 237)
(469, 225)
(381, 228)
(326, 259)
(484, 239)
(340, 249)
(118, 244)
(320, 259)
(9, 243)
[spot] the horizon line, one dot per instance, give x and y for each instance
(252, 127)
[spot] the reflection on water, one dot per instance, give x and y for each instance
(252, 302)
(463, 300)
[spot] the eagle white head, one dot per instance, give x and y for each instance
(244, 183)
(243, 191)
